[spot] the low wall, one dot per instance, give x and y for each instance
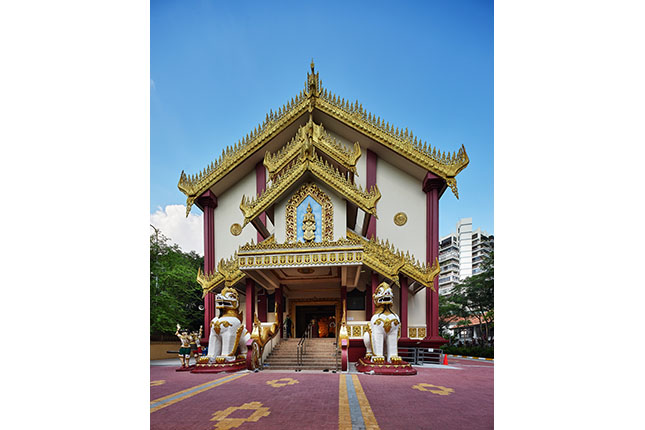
(158, 350)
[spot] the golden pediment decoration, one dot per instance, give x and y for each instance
(312, 135)
(309, 161)
(310, 189)
(353, 115)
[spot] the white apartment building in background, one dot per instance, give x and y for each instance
(461, 254)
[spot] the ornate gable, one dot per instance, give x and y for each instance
(314, 96)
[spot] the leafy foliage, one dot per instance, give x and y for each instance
(175, 295)
(472, 298)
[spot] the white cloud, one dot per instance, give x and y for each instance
(185, 232)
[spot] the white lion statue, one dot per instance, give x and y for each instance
(228, 335)
(382, 333)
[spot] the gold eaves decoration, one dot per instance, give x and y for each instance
(402, 142)
(309, 161)
(312, 135)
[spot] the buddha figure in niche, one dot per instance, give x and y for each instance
(309, 225)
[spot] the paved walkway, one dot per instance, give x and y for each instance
(457, 396)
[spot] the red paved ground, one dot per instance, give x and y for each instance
(470, 406)
(312, 403)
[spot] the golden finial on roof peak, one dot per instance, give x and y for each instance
(312, 65)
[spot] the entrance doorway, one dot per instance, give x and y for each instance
(324, 315)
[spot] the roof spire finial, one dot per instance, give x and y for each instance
(312, 64)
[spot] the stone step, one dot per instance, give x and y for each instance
(330, 368)
(294, 360)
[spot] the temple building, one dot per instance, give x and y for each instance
(317, 206)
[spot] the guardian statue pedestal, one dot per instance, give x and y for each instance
(382, 337)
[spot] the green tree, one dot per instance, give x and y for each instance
(175, 295)
(474, 297)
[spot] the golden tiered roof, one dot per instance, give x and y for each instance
(314, 96)
(309, 161)
(312, 135)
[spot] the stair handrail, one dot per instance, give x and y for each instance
(302, 346)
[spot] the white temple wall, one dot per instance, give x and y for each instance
(279, 214)
(401, 192)
(417, 308)
(228, 212)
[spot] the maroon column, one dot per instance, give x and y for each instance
(403, 300)
(208, 203)
(370, 181)
(279, 306)
(250, 303)
(432, 185)
(260, 186)
(262, 307)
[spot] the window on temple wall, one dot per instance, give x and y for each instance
(271, 303)
(355, 300)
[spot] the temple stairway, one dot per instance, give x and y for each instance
(320, 355)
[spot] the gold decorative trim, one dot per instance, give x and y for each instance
(402, 142)
(209, 281)
(380, 256)
(412, 332)
(422, 332)
(309, 161)
(228, 272)
(323, 200)
(236, 229)
(400, 219)
(308, 135)
(352, 114)
(384, 258)
(299, 260)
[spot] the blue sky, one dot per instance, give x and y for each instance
(217, 68)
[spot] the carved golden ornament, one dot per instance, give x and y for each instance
(327, 222)
(412, 332)
(400, 218)
(262, 335)
(422, 332)
(308, 136)
(402, 142)
(356, 331)
(219, 324)
(385, 259)
(380, 256)
(309, 225)
(352, 114)
(387, 324)
(228, 272)
(236, 229)
(321, 169)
